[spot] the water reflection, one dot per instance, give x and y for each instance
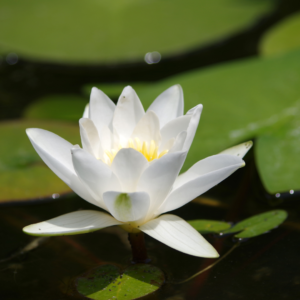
(12, 58)
(152, 57)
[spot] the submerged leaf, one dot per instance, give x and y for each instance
(209, 226)
(106, 282)
(258, 224)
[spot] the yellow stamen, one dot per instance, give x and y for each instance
(152, 149)
(136, 144)
(144, 150)
(163, 153)
(130, 144)
(110, 156)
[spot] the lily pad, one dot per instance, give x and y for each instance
(23, 175)
(107, 282)
(241, 100)
(283, 37)
(107, 31)
(209, 226)
(258, 224)
(277, 154)
(57, 107)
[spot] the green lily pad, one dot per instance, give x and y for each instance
(107, 31)
(209, 226)
(57, 107)
(283, 37)
(258, 224)
(23, 175)
(106, 282)
(241, 100)
(277, 154)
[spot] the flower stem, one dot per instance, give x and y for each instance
(138, 247)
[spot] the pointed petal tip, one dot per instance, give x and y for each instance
(32, 131)
(127, 90)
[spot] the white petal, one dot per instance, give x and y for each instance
(178, 234)
(106, 138)
(90, 138)
(128, 112)
(167, 145)
(173, 128)
(127, 207)
(159, 177)
(128, 166)
(77, 222)
(239, 150)
(168, 105)
(54, 150)
(199, 178)
(56, 153)
(179, 142)
(195, 114)
(86, 112)
(96, 175)
(101, 109)
(147, 128)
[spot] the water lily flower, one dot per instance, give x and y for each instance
(128, 166)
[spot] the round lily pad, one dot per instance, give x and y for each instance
(282, 38)
(107, 282)
(258, 224)
(209, 226)
(107, 31)
(57, 107)
(241, 101)
(23, 175)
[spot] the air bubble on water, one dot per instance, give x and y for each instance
(55, 196)
(12, 58)
(292, 192)
(152, 57)
(277, 195)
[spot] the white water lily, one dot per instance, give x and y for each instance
(129, 165)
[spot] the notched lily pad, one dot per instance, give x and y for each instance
(258, 224)
(107, 282)
(57, 107)
(209, 226)
(23, 175)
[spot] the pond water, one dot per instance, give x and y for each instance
(263, 267)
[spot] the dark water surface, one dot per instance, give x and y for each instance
(267, 266)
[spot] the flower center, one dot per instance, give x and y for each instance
(149, 151)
